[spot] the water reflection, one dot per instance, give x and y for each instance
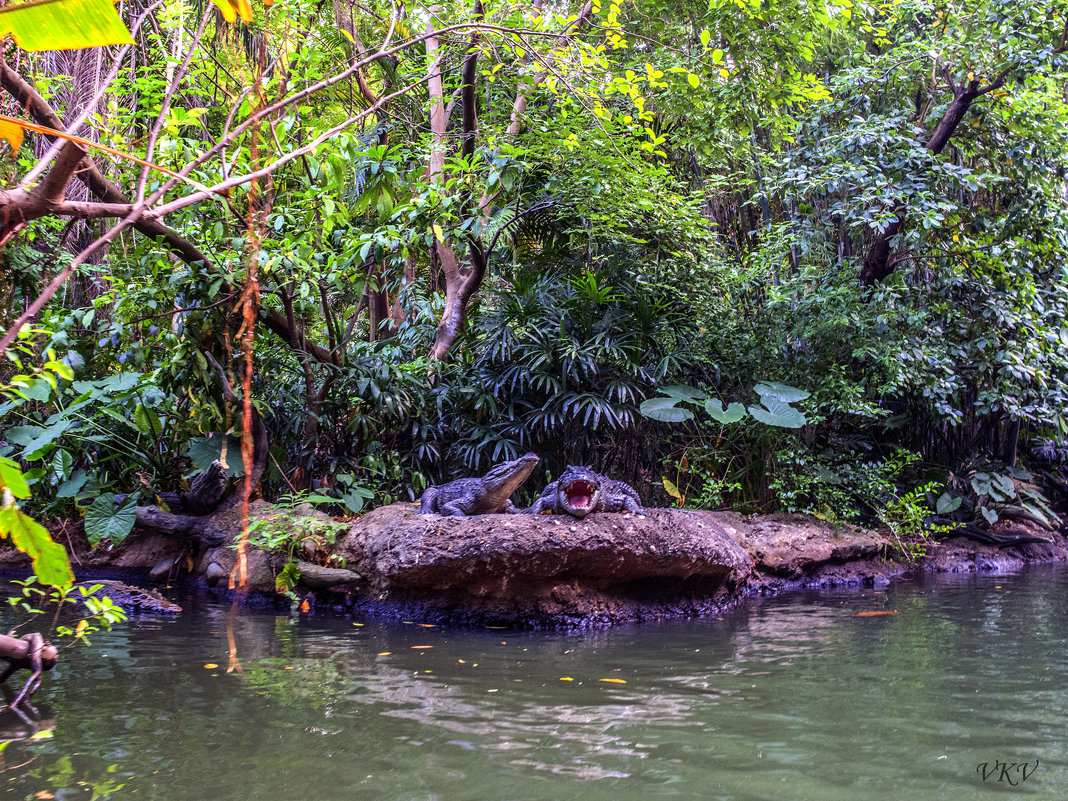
(792, 697)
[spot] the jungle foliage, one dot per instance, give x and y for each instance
(774, 254)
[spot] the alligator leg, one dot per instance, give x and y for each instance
(544, 501)
(455, 509)
(428, 501)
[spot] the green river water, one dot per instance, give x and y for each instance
(794, 697)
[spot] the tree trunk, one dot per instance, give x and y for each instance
(878, 263)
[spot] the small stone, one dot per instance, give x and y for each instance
(214, 574)
(162, 569)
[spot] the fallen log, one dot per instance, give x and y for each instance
(195, 515)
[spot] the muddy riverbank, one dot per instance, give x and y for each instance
(543, 571)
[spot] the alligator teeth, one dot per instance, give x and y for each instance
(579, 494)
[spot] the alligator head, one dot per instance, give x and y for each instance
(504, 479)
(578, 491)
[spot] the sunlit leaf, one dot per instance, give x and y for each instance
(63, 24)
(44, 129)
(50, 562)
(12, 134)
(671, 489)
(11, 477)
(232, 9)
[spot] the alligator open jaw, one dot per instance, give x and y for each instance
(579, 494)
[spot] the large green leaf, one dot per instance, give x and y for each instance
(73, 485)
(120, 382)
(104, 520)
(147, 421)
(776, 413)
(205, 450)
(12, 478)
(62, 464)
(732, 414)
(665, 410)
(35, 390)
(783, 392)
(63, 24)
(34, 438)
(50, 562)
(682, 392)
(946, 503)
(355, 498)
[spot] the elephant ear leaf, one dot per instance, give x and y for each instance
(732, 414)
(665, 410)
(782, 392)
(776, 413)
(682, 392)
(103, 520)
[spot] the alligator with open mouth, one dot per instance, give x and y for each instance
(580, 491)
(480, 496)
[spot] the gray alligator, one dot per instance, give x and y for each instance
(580, 491)
(480, 496)
(133, 599)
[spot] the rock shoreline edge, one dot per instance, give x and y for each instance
(546, 571)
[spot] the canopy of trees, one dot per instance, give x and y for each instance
(421, 238)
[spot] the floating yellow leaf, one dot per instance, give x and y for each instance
(12, 134)
(566, 678)
(421, 647)
(63, 24)
(613, 681)
(877, 614)
(385, 653)
(428, 625)
(210, 666)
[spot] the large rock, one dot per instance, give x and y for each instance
(547, 570)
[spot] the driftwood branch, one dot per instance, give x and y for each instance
(31, 652)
